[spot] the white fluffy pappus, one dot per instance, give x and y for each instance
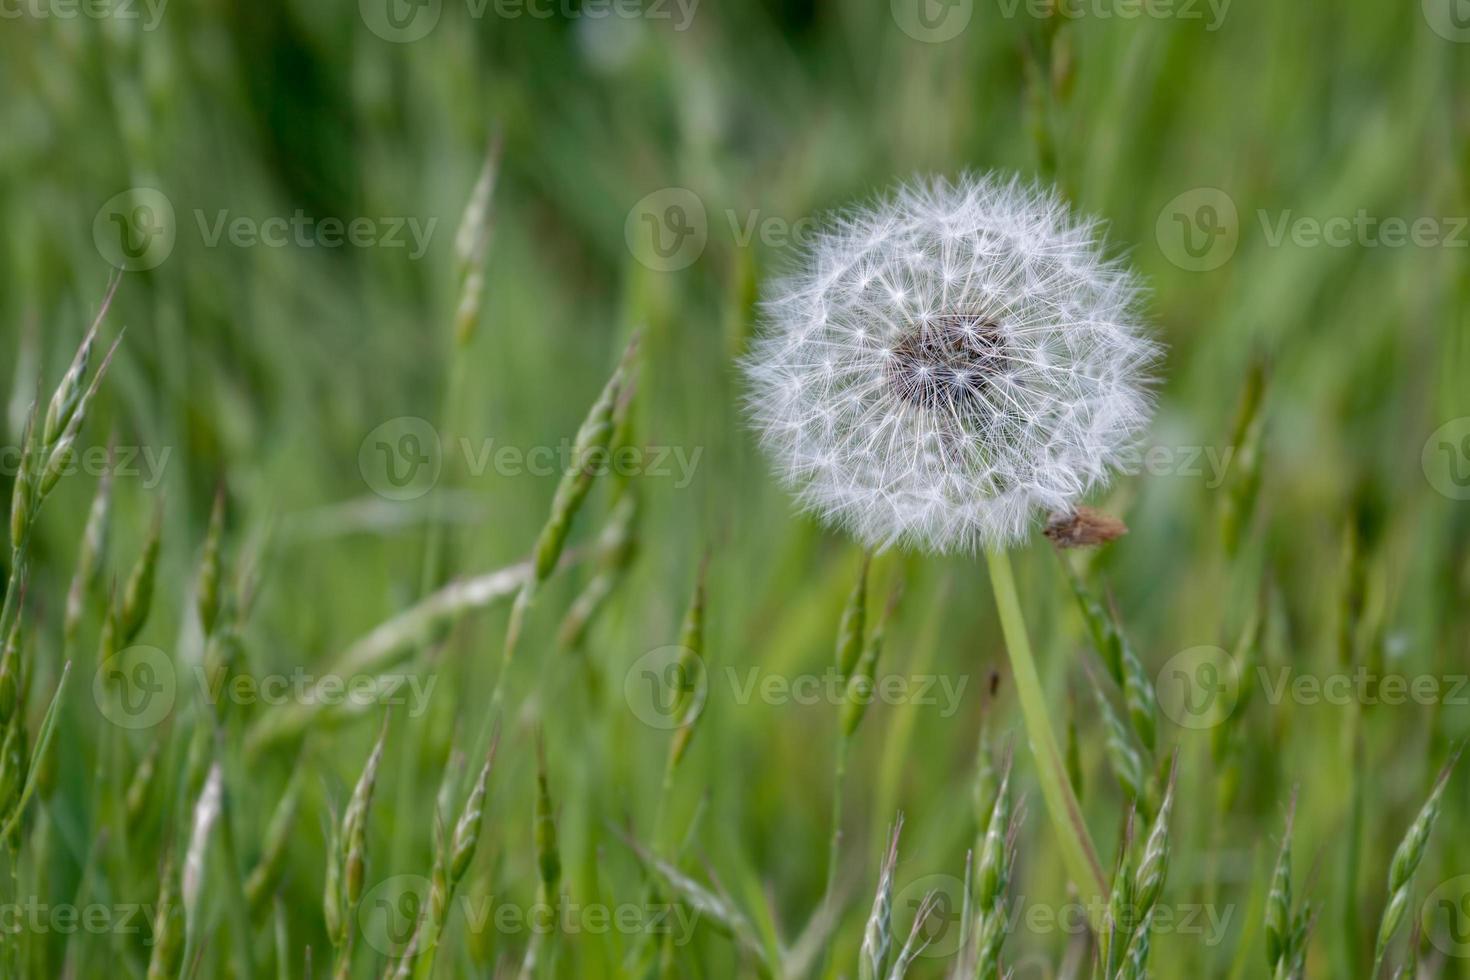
(950, 363)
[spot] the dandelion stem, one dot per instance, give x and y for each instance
(1077, 850)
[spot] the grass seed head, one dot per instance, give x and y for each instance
(994, 869)
(141, 785)
(354, 824)
(206, 814)
(1154, 867)
(591, 440)
(60, 452)
(12, 683)
(90, 556)
(878, 933)
(1278, 900)
(23, 492)
(208, 593)
(467, 829)
(332, 913)
(548, 858)
(138, 595)
(1406, 860)
(851, 626)
(691, 694)
(472, 244)
(68, 395)
(168, 926)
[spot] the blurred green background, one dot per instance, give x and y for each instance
(1200, 135)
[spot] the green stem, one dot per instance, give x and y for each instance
(1066, 814)
(839, 772)
(834, 846)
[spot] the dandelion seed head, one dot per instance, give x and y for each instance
(950, 363)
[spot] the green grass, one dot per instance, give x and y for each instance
(1322, 549)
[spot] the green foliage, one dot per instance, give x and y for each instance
(207, 588)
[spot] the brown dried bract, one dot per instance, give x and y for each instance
(1084, 528)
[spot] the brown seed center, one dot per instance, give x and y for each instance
(947, 362)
